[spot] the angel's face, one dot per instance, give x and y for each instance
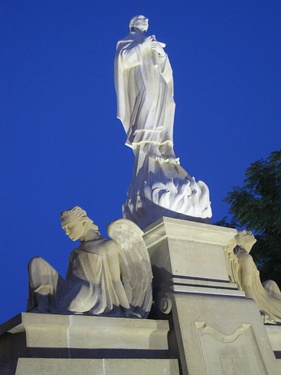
(246, 240)
(73, 228)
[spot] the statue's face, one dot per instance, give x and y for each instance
(246, 240)
(73, 228)
(141, 23)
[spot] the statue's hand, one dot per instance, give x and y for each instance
(150, 41)
(155, 45)
(159, 49)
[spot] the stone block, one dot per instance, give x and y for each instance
(39, 366)
(88, 332)
(221, 335)
(189, 257)
(44, 344)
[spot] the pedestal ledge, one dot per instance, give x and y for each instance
(41, 366)
(83, 332)
(187, 230)
(44, 344)
(189, 257)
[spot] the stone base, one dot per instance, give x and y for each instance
(35, 366)
(150, 212)
(274, 334)
(202, 323)
(218, 331)
(59, 344)
(218, 336)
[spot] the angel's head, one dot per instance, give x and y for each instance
(245, 240)
(77, 224)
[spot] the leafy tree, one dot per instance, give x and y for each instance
(257, 207)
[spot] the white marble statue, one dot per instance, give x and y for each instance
(145, 93)
(104, 277)
(243, 271)
(146, 107)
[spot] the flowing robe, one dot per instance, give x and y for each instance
(144, 88)
(94, 286)
(92, 283)
(249, 279)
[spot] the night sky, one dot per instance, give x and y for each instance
(61, 144)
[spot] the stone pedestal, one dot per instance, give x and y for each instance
(218, 331)
(201, 324)
(221, 335)
(44, 344)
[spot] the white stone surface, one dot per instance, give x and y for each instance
(189, 249)
(218, 331)
(167, 227)
(274, 334)
(70, 344)
(219, 336)
(104, 277)
(145, 105)
(144, 88)
(42, 366)
(243, 271)
(88, 332)
(165, 189)
(215, 330)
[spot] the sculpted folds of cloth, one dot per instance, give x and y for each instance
(104, 277)
(145, 105)
(243, 271)
(144, 87)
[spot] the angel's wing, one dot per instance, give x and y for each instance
(233, 266)
(135, 266)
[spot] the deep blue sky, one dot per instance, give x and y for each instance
(61, 144)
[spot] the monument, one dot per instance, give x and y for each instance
(146, 108)
(244, 272)
(195, 286)
(104, 277)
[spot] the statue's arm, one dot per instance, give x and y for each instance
(70, 265)
(129, 55)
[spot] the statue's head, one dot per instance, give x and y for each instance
(76, 223)
(245, 240)
(139, 22)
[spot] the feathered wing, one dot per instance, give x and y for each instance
(135, 266)
(235, 275)
(233, 266)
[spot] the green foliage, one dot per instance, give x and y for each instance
(257, 207)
